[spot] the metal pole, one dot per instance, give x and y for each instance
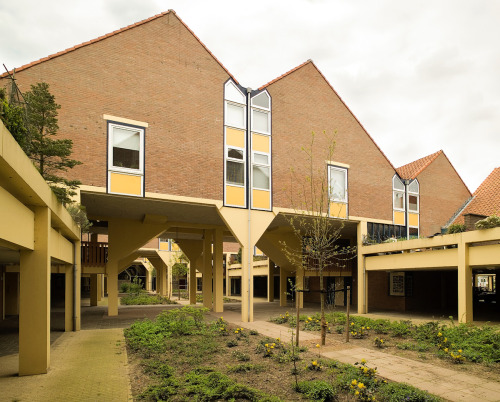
(347, 314)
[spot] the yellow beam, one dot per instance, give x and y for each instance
(60, 247)
(423, 260)
(17, 221)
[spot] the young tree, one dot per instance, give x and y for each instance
(50, 156)
(180, 269)
(12, 116)
(316, 231)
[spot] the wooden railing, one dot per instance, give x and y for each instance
(94, 254)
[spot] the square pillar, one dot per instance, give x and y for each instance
(228, 279)
(93, 290)
(148, 280)
(164, 280)
(169, 287)
(112, 269)
(68, 298)
(192, 283)
(207, 269)
(218, 272)
(247, 283)
(99, 287)
(283, 277)
(270, 282)
(362, 230)
(464, 284)
(34, 315)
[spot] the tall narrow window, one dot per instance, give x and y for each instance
(337, 191)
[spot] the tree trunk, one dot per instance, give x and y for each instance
(322, 298)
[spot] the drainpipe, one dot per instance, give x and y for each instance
(249, 158)
(407, 215)
(74, 286)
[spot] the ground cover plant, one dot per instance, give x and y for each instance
(136, 295)
(182, 355)
(452, 342)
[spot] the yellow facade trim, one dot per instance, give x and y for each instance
(125, 184)
(413, 220)
(261, 199)
(124, 120)
(338, 210)
(235, 196)
(235, 137)
(260, 143)
(399, 218)
(339, 164)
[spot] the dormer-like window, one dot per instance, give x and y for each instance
(398, 189)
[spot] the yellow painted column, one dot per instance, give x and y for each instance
(148, 280)
(34, 315)
(218, 272)
(362, 230)
(246, 283)
(11, 293)
(228, 279)
(99, 287)
(270, 282)
(168, 273)
(207, 269)
(283, 283)
(299, 283)
(464, 284)
(164, 280)
(158, 277)
(112, 269)
(68, 298)
(192, 283)
(93, 290)
(78, 286)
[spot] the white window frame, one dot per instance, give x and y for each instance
(330, 197)
(398, 190)
(416, 194)
(228, 102)
(262, 165)
(241, 161)
(111, 167)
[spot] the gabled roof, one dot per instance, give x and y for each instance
(413, 169)
(335, 92)
(486, 199)
(118, 31)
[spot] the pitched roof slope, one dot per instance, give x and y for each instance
(335, 92)
(413, 169)
(486, 199)
(118, 31)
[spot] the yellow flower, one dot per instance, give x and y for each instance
(367, 327)
(278, 339)
(446, 339)
(446, 350)
(309, 318)
(440, 334)
(357, 392)
(381, 341)
(363, 361)
(317, 345)
(266, 345)
(352, 323)
(236, 331)
(354, 382)
(361, 385)
(459, 350)
(362, 327)
(314, 363)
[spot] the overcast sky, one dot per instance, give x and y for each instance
(420, 75)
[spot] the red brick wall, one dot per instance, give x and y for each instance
(442, 192)
(378, 294)
(304, 102)
(157, 73)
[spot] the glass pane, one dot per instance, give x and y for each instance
(413, 187)
(261, 159)
(260, 122)
(234, 94)
(261, 177)
(235, 115)
(397, 184)
(399, 200)
(235, 173)
(413, 232)
(413, 203)
(235, 153)
(127, 139)
(338, 185)
(261, 100)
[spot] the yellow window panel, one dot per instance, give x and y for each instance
(399, 218)
(260, 143)
(235, 137)
(413, 220)
(338, 210)
(164, 245)
(125, 184)
(261, 199)
(235, 196)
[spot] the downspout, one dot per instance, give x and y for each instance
(407, 215)
(249, 158)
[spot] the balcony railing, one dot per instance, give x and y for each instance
(94, 254)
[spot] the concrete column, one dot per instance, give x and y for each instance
(299, 283)
(270, 282)
(207, 269)
(168, 274)
(164, 280)
(112, 269)
(148, 280)
(218, 272)
(283, 281)
(192, 283)
(11, 293)
(158, 277)
(464, 284)
(362, 230)
(99, 287)
(246, 283)
(68, 298)
(34, 316)
(228, 279)
(93, 290)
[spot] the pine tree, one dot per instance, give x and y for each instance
(50, 156)
(12, 116)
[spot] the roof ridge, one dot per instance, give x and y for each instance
(113, 33)
(309, 61)
(429, 159)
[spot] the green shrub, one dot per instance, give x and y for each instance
(144, 299)
(317, 390)
(456, 228)
(240, 356)
(158, 368)
(245, 368)
(401, 329)
(381, 326)
(490, 222)
(396, 392)
(161, 392)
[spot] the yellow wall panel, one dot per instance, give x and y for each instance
(261, 199)
(260, 143)
(125, 184)
(235, 137)
(399, 218)
(235, 196)
(413, 219)
(338, 210)
(163, 246)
